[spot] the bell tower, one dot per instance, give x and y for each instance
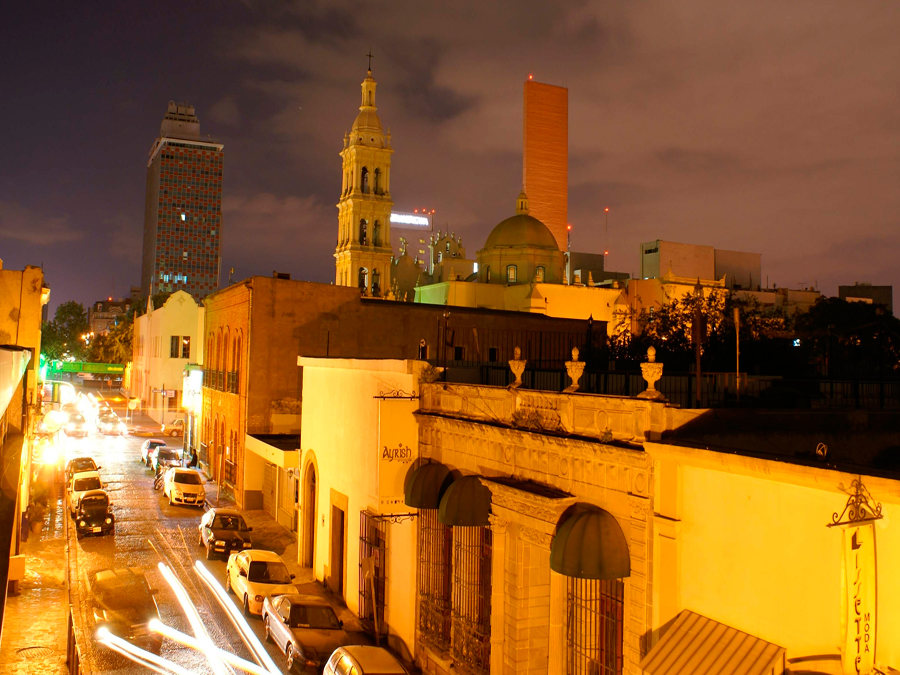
(363, 253)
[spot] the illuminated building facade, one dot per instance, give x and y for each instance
(363, 253)
(545, 174)
(183, 209)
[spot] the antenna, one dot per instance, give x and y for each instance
(606, 237)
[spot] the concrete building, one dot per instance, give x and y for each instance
(545, 532)
(255, 331)
(864, 292)
(363, 253)
(23, 295)
(183, 209)
(165, 340)
(737, 269)
(545, 165)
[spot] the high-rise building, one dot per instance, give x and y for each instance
(363, 253)
(183, 210)
(545, 166)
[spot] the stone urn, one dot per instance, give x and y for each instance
(517, 366)
(575, 369)
(651, 371)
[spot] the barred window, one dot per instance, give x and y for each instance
(435, 540)
(372, 544)
(594, 623)
(471, 608)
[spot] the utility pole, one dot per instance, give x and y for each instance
(698, 336)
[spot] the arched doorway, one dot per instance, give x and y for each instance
(308, 515)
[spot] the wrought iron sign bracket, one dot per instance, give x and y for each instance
(395, 518)
(860, 507)
(397, 394)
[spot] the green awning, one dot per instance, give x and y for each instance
(426, 484)
(591, 545)
(466, 503)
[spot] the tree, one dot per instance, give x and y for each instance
(115, 346)
(63, 337)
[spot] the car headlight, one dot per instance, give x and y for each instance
(81, 523)
(108, 520)
(177, 493)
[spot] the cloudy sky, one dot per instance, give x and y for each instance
(769, 126)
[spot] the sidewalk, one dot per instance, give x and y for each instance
(35, 625)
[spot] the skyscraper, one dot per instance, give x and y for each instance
(546, 157)
(183, 209)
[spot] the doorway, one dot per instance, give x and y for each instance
(308, 536)
(337, 551)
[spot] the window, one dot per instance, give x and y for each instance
(175, 347)
(362, 231)
(459, 353)
(487, 272)
(364, 180)
(186, 346)
(363, 279)
(378, 187)
(440, 256)
(435, 542)
(594, 624)
(539, 274)
(471, 598)
(493, 355)
(376, 234)
(372, 544)
(511, 274)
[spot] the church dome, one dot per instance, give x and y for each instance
(521, 230)
(367, 120)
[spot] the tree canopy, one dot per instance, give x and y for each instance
(62, 338)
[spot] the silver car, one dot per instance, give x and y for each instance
(304, 627)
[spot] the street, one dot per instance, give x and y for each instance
(148, 531)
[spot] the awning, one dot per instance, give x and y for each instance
(591, 545)
(695, 644)
(282, 450)
(466, 503)
(426, 484)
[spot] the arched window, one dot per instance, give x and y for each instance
(364, 180)
(376, 234)
(363, 279)
(539, 274)
(362, 231)
(510, 274)
(379, 189)
(487, 272)
(376, 283)
(237, 364)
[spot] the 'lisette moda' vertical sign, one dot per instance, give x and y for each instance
(858, 598)
(398, 447)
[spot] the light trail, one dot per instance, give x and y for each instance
(138, 655)
(158, 626)
(193, 617)
(262, 656)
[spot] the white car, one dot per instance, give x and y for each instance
(363, 660)
(184, 486)
(254, 574)
(78, 484)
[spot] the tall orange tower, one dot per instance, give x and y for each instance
(545, 168)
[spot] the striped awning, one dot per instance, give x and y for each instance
(696, 645)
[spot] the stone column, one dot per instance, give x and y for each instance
(557, 624)
(498, 590)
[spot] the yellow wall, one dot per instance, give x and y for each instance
(753, 550)
(341, 427)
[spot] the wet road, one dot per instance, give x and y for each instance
(148, 531)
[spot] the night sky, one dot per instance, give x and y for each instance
(769, 126)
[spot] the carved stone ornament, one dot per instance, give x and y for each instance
(651, 371)
(517, 365)
(575, 369)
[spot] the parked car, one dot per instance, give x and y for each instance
(94, 515)
(111, 425)
(124, 603)
(184, 486)
(165, 457)
(223, 531)
(254, 574)
(174, 429)
(304, 627)
(363, 660)
(147, 446)
(80, 464)
(76, 426)
(78, 485)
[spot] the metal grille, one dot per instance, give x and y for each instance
(435, 540)
(594, 623)
(471, 608)
(372, 544)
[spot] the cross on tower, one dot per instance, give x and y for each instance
(371, 56)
